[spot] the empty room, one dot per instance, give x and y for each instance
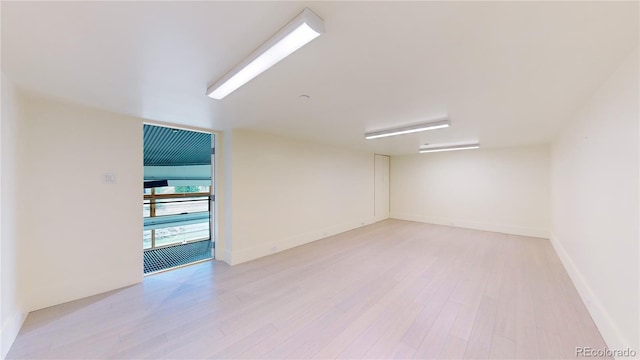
(320, 180)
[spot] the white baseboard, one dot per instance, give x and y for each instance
(227, 257)
(10, 329)
(608, 329)
(500, 228)
(235, 257)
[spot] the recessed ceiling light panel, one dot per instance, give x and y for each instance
(297, 33)
(431, 149)
(408, 129)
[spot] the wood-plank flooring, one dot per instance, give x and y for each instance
(394, 289)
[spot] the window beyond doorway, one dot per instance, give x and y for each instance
(177, 197)
(176, 200)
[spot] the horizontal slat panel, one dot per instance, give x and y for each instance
(171, 147)
(158, 222)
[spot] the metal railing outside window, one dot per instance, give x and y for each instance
(172, 218)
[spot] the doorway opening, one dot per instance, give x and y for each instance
(178, 197)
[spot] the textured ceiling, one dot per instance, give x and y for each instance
(172, 147)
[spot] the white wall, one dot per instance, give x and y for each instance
(223, 191)
(290, 192)
(84, 237)
(381, 184)
(595, 205)
(503, 190)
(13, 309)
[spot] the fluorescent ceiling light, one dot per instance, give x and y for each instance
(408, 129)
(298, 32)
(449, 148)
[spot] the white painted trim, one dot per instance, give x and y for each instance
(475, 225)
(181, 126)
(608, 329)
(227, 256)
(10, 329)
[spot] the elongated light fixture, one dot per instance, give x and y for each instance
(408, 129)
(297, 33)
(449, 148)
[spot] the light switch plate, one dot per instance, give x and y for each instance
(109, 178)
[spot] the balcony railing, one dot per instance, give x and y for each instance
(171, 219)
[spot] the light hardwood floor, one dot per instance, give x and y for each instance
(394, 289)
